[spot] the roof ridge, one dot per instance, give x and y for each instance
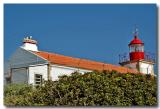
(72, 57)
(81, 59)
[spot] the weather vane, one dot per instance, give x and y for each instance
(135, 31)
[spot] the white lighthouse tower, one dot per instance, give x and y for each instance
(29, 44)
(138, 58)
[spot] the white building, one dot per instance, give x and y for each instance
(29, 65)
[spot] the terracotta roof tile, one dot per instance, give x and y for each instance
(81, 63)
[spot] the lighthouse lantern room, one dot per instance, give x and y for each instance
(136, 47)
(138, 59)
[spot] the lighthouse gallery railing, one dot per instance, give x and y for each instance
(148, 57)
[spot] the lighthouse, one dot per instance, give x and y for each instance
(137, 58)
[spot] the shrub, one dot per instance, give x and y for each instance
(89, 89)
(17, 94)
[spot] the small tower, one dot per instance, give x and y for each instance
(136, 48)
(138, 59)
(29, 44)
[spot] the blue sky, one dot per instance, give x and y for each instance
(97, 32)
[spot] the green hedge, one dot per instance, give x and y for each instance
(89, 89)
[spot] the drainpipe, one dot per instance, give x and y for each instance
(28, 80)
(138, 66)
(151, 74)
(49, 71)
(10, 75)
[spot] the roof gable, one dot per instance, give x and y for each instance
(24, 58)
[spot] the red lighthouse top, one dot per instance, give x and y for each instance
(136, 41)
(136, 47)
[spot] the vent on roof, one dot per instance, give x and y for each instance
(29, 44)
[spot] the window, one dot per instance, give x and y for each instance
(136, 48)
(132, 48)
(38, 79)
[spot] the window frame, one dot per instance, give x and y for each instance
(38, 80)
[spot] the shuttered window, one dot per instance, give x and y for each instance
(38, 79)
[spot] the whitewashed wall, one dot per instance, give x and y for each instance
(57, 70)
(29, 46)
(37, 69)
(146, 68)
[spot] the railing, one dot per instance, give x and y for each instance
(150, 57)
(125, 57)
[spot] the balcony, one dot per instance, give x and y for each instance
(147, 57)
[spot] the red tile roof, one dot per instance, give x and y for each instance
(81, 63)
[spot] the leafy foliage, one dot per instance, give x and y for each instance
(17, 94)
(89, 89)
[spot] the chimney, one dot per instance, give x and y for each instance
(29, 44)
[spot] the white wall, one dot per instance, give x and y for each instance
(29, 46)
(37, 69)
(146, 68)
(57, 70)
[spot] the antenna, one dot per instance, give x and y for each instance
(135, 33)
